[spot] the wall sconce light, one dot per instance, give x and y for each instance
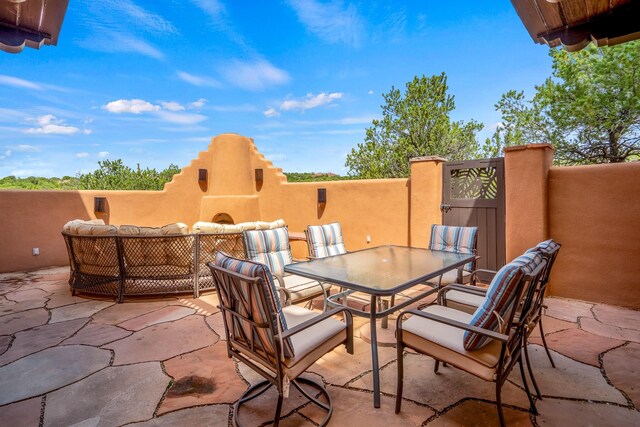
(259, 176)
(322, 196)
(203, 175)
(99, 204)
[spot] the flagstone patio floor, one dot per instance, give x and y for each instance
(88, 361)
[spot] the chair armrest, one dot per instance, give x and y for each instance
(484, 274)
(469, 289)
(282, 290)
(305, 325)
(454, 323)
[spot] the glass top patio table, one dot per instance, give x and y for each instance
(382, 270)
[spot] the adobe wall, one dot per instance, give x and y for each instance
(594, 211)
(376, 208)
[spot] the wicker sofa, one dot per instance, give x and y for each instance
(131, 260)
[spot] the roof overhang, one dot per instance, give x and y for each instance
(31, 23)
(575, 23)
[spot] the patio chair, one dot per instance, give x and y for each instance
(272, 248)
(279, 343)
(486, 344)
(325, 240)
(468, 298)
(462, 240)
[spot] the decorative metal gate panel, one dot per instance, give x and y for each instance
(473, 196)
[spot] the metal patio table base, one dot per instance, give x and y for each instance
(261, 387)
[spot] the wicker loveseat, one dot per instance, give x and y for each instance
(131, 260)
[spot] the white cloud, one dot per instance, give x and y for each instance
(50, 125)
(370, 92)
(256, 75)
(310, 101)
(181, 118)
(197, 104)
(172, 106)
(103, 154)
(133, 106)
(276, 157)
(26, 148)
(17, 82)
(143, 18)
(213, 8)
(332, 22)
(82, 155)
(271, 112)
(201, 81)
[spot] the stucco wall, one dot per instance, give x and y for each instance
(594, 211)
(375, 208)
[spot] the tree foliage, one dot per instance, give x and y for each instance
(115, 175)
(314, 177)
(416, 123)
(589, 109)
(38, 183)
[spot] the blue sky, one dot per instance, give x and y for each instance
(151, 82)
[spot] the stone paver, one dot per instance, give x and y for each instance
(569, 378)
(39, 338)
(621, 366)
(26, 295)
(211, 415)
(97, 335)
(205, 305)
(216, 323)
(551, 326)
(10, 307)
(12, 323)
(200, 381)
(338, 367)
(48, 370)
(569, 310)
(119, 313)
(111, 397)
(440, 390)
(22, 414)
(579, 345)
(165, 314)
(76, 311)
(61, 299)
(554, 412)
(5, 340)
(163, 341)
(475, 413)
(611, 331)
(618, 316)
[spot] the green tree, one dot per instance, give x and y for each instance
(589, 109)
(115, 175)
(416, 123)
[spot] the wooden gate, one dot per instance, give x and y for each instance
(473, 196)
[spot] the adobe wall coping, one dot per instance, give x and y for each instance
(528, 147)
(427, 159)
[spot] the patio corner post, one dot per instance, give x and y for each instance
(526, 170)
(425, 196)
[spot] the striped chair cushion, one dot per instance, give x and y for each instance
(325, 240)
(500, 297)
(528, 261)
(454, 239)
(258, 313)
(270, 247)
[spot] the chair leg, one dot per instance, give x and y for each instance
(532, 404)
(276, 420)
(499, 403)
(436, 366)
(400, 361)
(533, 379)
(544, 342)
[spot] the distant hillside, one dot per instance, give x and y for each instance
(315, 177)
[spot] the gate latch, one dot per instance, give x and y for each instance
(445, 207)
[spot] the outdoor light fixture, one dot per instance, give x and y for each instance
(259, 176)
(322, 196)
(203, 175)
(99, 204)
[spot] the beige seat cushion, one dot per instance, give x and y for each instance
(312, 343)
(452, 277)
(302, 288)
(463, 301)
(445, 343)
(214, 227)
(71, 227)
